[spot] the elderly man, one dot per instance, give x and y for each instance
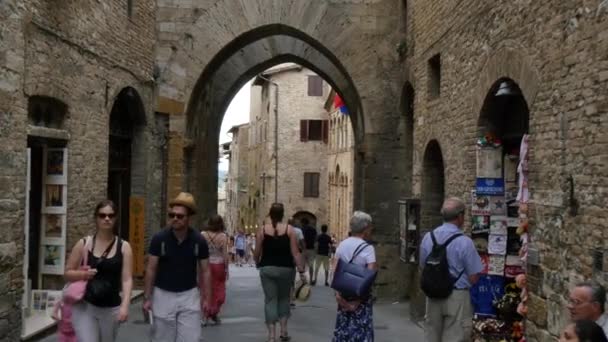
(587, 302)
(450, 319)
(171, 290)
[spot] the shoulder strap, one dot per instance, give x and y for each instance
(451, 238)
(359, 249)
(107, 251)
(85, 251)
(447, 242)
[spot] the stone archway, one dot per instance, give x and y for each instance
(243, 58)
(125, 167)
(198, 37)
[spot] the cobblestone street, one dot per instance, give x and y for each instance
(243, 316)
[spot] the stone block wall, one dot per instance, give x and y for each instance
(82, 54)
(556, 52)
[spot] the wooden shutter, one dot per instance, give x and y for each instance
(315, 85)
(303, 130)
(325, 129)
(315, 185)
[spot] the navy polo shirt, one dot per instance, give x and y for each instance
(177, 262)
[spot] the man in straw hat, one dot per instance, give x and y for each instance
(171, 293)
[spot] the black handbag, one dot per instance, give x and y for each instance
(353, 280)
(99, 288)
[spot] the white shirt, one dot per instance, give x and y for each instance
(347, 248)
(299, 234)
(603, 322)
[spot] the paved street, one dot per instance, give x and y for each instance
(243, 316)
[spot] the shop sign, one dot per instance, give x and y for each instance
(489, 162)
(490, 186)
(136, 233)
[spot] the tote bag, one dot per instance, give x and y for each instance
(353, 280)
(74, 291)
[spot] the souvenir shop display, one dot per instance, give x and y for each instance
(499, 229)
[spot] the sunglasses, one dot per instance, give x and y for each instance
(177, 216)
(104, 216)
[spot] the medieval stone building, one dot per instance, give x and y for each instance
(340, 158)
(77, 125)
(423, 80)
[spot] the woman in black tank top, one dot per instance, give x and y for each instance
(108, 272)
(277, 251)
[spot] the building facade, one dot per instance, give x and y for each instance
(340, 165)
(236, 180)
(479, 75)
(288, 150)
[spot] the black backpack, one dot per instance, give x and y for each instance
(436, 281)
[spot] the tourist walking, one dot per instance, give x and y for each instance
(110, 262)
(354, 322)
(310, 238)
(250, 249)
(240, 244)
(171, 293)
(232, 250)
(449, 312)
(276, 254)
(217, 240)
(324, 243)
(586, 302)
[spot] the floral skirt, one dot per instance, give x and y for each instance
(355, 326)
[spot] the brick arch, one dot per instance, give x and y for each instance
(507, 62)
(433, 185)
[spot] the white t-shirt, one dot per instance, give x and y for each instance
(299, 234)
(347, 248)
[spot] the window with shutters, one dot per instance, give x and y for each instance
(314, 130)
(311, 184)
(315, 85)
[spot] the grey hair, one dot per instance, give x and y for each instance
(598, 292)
(451, 208)
(359, 222)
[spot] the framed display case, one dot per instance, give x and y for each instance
(409, 228)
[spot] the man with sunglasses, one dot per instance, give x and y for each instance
(177, 254)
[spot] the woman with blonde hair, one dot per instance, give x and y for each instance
(218, 265)
(276, 250)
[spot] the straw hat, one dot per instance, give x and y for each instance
(184, 199)
(302, 291)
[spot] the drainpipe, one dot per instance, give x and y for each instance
(276, 137)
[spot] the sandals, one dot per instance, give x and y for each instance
(285, 338)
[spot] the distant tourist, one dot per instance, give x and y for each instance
(277, 254)
(310, 239)
(324, 244)
(240, 243)
(110, 262)
(217, 240)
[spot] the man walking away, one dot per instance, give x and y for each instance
(324, 243)
(450, 266)
(171, 293)
(310, 238)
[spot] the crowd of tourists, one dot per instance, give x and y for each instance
(187, 270)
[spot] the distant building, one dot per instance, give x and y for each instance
(288, 157)
(340, 163)
(236, 181)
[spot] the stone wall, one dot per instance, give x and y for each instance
(557, 53)
(82, 54)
